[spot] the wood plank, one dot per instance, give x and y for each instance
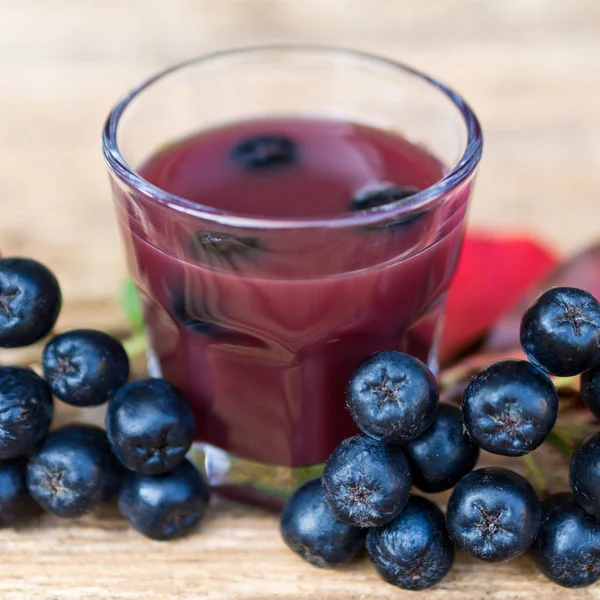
(237, 554)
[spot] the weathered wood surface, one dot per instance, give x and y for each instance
(530, 69)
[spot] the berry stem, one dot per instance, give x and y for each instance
(135, 345)
(560, 442)
(535, 472)
(574, 432)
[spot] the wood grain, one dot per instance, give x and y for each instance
(530, 69)
(236, 554)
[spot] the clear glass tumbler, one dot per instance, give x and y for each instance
(324, 294)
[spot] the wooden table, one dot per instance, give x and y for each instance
(531, 70)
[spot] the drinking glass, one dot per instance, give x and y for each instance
(313, 297)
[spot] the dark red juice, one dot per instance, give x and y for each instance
(262, 328)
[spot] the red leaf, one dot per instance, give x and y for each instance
(492, 275)
(581, 271)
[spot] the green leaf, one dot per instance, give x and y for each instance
(557, 439)
(534, 471)
(131, 305)
(135, 345)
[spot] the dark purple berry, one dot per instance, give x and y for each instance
(567, 548)
(510, 407)
(380, 194)
(590, 390)
(16, 505)
(74, 471)
(264, 152)
(223, 249)
(414, 551)
(393, 397)
(493, 514)
(26, 411)
(444, 454)
(192, 314)
(385, 195)
(150, 426)
(584, 474)
(366, 482)
(30, 301)
(310, 530)
(166, 506)
(560, 332)
(85, 367)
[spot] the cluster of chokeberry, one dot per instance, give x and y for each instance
(70, 471)
(364, 497)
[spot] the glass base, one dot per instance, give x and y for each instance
(266, 486)
(246, 481)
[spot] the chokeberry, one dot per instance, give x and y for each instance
(590, 390)
(16, 505)
(85, 367)
(584, 474)
(74, 471)
(366, 482)
(263, 152)
(150, 426)
(309, 528)
(560, 331)
(444, 454)
(166, 506)
(30, 301)
(223, 249)
(393, 397)
(510, 407)
(567, 548)
(26, 411)
(414, 551)
(493, 514)
(380, 194)
(190, 313)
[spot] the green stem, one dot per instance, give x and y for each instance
(562, 444)
(135, 345)
(533, 469)
(574, 432)
(563, 382)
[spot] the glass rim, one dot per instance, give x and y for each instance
(418, 202)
